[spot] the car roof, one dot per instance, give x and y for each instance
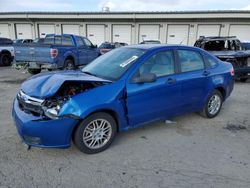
(158, 46)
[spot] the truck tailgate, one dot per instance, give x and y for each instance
(24, 53)
(33, 53)
(43, 54)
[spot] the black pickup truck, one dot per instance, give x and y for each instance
(228, 49)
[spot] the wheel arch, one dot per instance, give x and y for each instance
(105, 110)
(223, 92)
(70, 57)
(5, 52)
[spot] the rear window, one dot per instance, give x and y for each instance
(221, 45)
(58, 40)
(49, 40)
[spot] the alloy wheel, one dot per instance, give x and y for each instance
(214, 104)
(97, 133)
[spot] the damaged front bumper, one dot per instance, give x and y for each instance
(40, 132)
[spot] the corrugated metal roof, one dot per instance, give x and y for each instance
(131, 12)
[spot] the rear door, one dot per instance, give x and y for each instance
(193, 78)
(157, 100)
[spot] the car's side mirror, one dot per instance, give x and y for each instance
(94, 46)
(145, 78)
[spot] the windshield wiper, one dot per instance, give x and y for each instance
(89, 73)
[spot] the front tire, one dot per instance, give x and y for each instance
(95, 133)
(213, 105)
(34, 71)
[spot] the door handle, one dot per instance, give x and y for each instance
(206, 73)
(171, 81)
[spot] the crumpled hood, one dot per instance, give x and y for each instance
(230, 54)
(46, 85)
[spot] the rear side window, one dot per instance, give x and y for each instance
(161, 64)
(58, 40)
(67, 41)
(190, 60)
(212, 61)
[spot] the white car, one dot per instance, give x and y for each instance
(6, 51)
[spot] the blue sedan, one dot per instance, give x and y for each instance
(123, 89)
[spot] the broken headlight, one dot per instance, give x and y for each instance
(52, 108)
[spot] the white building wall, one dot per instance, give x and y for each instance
(161, 33)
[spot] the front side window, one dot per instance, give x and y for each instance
(190, 60)
(87, 42)
(160, 64)
(79, 41)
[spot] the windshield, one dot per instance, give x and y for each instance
(113, 65)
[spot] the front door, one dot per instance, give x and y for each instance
(158, 100)
(91, 50)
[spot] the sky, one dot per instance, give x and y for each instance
(121, 5)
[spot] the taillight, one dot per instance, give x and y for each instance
(53, 53)
(232, 72)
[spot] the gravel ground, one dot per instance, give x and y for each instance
(193, 152)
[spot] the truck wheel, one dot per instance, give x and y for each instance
(243, 79)
(95, 133)
(34, 71)
(213, 105)
(69, 65)
(5, 60)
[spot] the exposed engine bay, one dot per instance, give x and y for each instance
(51, 107)
(71, 88)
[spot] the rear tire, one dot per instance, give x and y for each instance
(69, 65)
(34, 71)
(95, 133)
(213, 105)
(5, 59)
